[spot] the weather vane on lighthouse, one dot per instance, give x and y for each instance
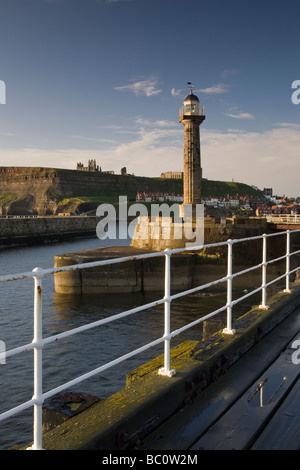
(191, 87)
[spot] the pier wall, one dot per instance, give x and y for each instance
(39, 230)
(147, 275)
(188, 269)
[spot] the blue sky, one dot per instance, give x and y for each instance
(105, 79)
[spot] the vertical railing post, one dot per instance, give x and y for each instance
(264, 275)
(288, 253)
(166, 370)
(228, 329)
(38, 373)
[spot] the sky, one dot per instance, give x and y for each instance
(105, 79)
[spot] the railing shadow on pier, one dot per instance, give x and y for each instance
(39, 342)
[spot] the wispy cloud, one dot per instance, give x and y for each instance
(228, 73)
(92, 139)
(214, 90)
(175, 92)
(290, 125)
(263, 159)
(160, 123)
(240, 115)
(143, 87)
(114, 127)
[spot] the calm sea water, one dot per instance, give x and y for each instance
(69, 358)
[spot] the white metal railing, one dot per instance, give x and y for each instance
(39, 342)
(284, 218)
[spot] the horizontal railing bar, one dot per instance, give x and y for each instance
(16, 277)
(240, 240)
(198, 247)
(258, 289)
(18, 350)
(25, 275)
(196, 322)
(17, 409)
(93, 264)
(293, 270)
(102, 368)
(80, 329)
(276, 259)
(80, 266)
(81, 378)
(276, 279)
(103, 321)
(196, 289)
(244, 271)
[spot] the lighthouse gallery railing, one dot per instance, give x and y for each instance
(39, 342)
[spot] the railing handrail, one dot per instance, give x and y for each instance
(32, 274)
(39, 342)
(290, 218)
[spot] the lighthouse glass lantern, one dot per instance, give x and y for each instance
(191, 106)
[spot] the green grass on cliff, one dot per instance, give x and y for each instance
(69, 188)
(96, 185)
(211, 188)
(115, 185)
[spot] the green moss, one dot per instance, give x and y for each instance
(8, 198)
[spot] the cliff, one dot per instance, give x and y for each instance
(49, 191)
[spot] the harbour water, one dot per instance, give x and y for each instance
(69, 358)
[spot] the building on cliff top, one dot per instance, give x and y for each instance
(92, 166)
(172, 175)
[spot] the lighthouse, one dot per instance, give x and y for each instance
(191, 116)
(186, 228)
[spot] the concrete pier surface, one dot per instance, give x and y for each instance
(156, 412)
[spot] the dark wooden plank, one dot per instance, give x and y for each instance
(283, 431)
(246, 419)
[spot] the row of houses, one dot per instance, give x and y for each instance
(290, 209)
(258, 206)
(230, 201)
(158, 197)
